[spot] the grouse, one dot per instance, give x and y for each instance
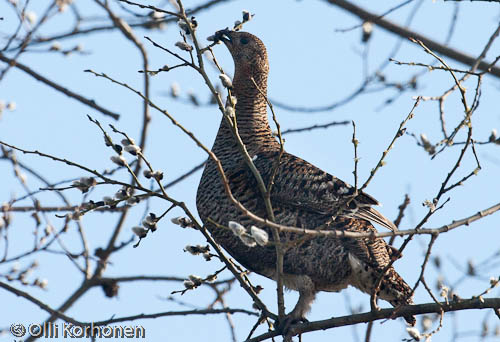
(302, 196)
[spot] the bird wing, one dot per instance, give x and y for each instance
(300, 184)
(374, 252)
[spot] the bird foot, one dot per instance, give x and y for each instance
(285, 324)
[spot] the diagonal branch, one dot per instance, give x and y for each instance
(67, 92)
(406, 33)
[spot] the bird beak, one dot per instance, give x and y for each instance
(225, 36)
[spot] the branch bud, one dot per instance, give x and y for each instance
(260, 235)
(226, 81)
(237, 228)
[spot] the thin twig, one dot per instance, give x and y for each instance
(37, 76)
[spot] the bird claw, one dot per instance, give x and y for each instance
(285, 324)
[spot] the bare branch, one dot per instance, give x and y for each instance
(404, 32)
(37, 76)
(470, 304)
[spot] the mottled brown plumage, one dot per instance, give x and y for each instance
(302, 196)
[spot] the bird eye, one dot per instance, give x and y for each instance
(244, 41)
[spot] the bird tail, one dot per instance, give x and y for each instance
(392, 288)
(397, 292)
(372, 215)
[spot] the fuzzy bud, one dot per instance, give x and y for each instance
(140, 232)
(248, 240)
(150, 222)
(237, 228)
(158, 175)
(132, 149)
(55, 47)
(426, 323)
(118, 148)
(31, 17)
(123, 193)
(43, 284)
(184, 222)
(367, 31)
(188, 284)
(193, 22)
(156, 20)
(427, 144)
(127, 142)
(429, 205)
(444, 292)
(195, 279)
(198, 249)
(260, 235)
(118, 160)
(183, 25)
(246, 16)
(226, 81)
(84, 184)
(229, 111)
(184, 46)
(191, 250)
(414, 333)
(48, 229)
(11, 106)
(493, 135)
(108, 200)
(207, 257)
(88, 181)
(175, 89)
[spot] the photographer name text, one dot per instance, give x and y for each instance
(68, 330)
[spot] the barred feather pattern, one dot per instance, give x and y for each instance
(302, 196)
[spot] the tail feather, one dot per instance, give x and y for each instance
(392, 288)
(372, 215)
(398, 292)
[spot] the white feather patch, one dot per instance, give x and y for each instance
(360, 277)
(355, 263)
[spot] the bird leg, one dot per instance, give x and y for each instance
(306, 297)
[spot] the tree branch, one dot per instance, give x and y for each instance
(489, 303)
(406, 33)
(38, 77)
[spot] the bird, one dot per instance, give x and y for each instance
(302, 195)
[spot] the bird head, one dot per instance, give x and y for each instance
(248, 51)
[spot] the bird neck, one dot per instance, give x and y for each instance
(251, 105)
(251, 115)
